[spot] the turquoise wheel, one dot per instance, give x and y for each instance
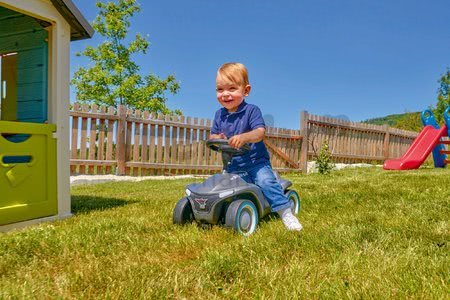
(294, 199)
(242, 216)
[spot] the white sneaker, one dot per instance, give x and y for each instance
(289, 220)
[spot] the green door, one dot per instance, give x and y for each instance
(27, 172)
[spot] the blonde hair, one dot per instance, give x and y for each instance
(234, 72)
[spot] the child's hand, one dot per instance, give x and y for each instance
(237, 141)
(217, 136)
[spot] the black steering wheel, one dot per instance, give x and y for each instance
(221, 145)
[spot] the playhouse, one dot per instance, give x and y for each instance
(35, 38)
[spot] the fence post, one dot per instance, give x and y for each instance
(304, 117)
(386, 142)
(120, 143)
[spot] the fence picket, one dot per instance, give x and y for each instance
(92, 140)
(74, 141)
(188, 156)
(284, 148)
(137, 141)
(200, 146)
(336, 137)
(181, 144)
(159, 148)
(373, 142)
(167, 130)
(352, 142)
(83, 148)
(153, 139)
(101, 140)
(194, 155)
(278, 162)
(109, 139)
(173, 145)
(144, 155)
(128, 151)
(208, 152)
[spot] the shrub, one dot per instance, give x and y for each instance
(324, 162)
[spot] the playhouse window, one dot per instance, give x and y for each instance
(23, 67)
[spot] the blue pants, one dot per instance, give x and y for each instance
(262, 175)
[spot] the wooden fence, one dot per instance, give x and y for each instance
(351, 142)
(107, 140)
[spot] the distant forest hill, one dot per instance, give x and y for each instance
(406, 121)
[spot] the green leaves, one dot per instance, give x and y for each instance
(443, 96)
(324, 162)
(113, 77)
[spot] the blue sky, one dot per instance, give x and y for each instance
(359, 58)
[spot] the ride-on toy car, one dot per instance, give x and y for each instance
(228, 199)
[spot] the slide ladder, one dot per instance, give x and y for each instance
(447, 141)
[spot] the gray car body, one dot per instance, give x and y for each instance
(210, 199)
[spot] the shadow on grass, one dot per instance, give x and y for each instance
(85, 204)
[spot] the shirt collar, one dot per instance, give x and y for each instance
(240, 109)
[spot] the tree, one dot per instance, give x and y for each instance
(410, 121)
(114, 78)
(443, 96)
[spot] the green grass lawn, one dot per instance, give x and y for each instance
(367, 233)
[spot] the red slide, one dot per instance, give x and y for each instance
(419, 150)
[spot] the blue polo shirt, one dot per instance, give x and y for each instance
(246, 118)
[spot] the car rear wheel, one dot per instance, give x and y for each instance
(294, 199)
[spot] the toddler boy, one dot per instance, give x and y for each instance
(242, 123)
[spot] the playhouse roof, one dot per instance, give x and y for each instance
(79, 27)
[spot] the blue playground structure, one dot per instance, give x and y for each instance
(439, 155)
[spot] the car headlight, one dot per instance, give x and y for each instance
(225, 194)
(188, 192)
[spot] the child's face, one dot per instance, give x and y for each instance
(229, 94)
